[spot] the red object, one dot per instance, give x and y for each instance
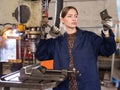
(47, 63)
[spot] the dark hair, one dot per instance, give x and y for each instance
(66, 9)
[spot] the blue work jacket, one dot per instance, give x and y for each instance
(86, 49)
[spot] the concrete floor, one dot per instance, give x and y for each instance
(102, 88)
(23, 89)
(107, 88)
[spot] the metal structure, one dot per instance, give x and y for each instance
(35, 77)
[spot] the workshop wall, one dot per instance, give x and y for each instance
(88, 11)
(89, 17)
(30, 10)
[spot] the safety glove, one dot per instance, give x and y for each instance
(107, 24)
(55, 32)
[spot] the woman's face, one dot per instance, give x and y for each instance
(70, 20)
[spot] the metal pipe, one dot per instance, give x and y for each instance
(58, 8)
(19, 11)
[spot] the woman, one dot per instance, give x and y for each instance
(79, 46)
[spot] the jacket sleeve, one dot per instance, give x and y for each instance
(106, 46)
(45, 49)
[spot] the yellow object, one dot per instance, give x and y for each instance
(21, 28)
(117, 40)
(15, 61)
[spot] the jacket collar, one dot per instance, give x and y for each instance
(78, 37)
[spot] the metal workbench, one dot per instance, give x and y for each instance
(12, 80)
(35, 77)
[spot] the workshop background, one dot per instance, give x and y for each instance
(42, 15)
